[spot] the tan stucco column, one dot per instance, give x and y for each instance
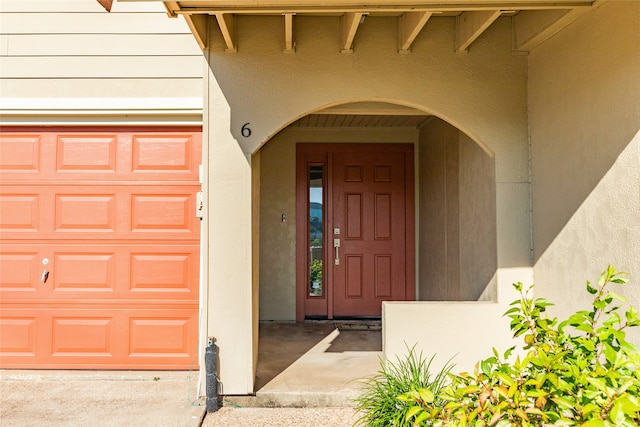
(229, 242)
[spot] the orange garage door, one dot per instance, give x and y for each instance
(110, 215)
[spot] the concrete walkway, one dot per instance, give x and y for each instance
(281, 417)
(98, 399)
(307, 375)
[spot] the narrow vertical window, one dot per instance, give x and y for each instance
(316, 228)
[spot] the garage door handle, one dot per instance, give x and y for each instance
(45, 273)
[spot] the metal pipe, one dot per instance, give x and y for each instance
(211, 362)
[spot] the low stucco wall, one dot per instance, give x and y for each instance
(465, 332)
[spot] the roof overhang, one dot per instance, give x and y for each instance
(534, 21)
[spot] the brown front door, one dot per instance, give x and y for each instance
(367, 228)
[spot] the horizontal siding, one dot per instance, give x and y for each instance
(102, 88)
(74, 48)
(104, 66)
(91, 23)
(101, 44)
(77, 6)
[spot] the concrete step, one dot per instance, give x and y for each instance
(321, 364)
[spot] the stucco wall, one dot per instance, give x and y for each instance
(478, 244)
(463, 332)
(438, 219)
(457, 221)
(482, 93)
(66, 61)
(584, 102)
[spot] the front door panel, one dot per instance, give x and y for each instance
(368, 228)
(369, 209)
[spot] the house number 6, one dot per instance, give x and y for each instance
(245, 130)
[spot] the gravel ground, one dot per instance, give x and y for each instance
(281, 417)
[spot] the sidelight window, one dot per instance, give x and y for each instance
(316, 230)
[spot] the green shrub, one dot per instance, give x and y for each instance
(579, 372)
(379, 403)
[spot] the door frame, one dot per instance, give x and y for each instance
(320, 153)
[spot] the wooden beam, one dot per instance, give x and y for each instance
(171, 7)
(469, 26)
(365, 6)
(199, 25)
(411, 23)
(350, 23)
(227, 23)
(289, 43)
(532, 28)
(106, 4)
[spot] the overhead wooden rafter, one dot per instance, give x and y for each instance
(199, 26)
(350, 23)
(469, 26)
(411, 23)
(289, 43)
(533, 21)
(227, 24)
(532, 28)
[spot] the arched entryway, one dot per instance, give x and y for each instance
(448, 211)
(313, 175)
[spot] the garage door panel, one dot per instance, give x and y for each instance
(99, 212)
(163, 153)
(18, 271)
(163, 212)
(153, 273)
(19, 211)
(85, 212)
(86, 338)
(20, 153)
(160, 337)
(86, 153)
(113, 272)
(104, 156)
(112, 211)
(84, 272)
(90, 336)
(18, 335)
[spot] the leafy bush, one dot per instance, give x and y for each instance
(379, 403)
(579, 372)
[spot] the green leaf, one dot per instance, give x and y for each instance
(426, 395)
(617, 415)
(413, 411)
(470, 389)
(591, 289)
(506, 379)
(589, 408)
(618, 297)
(604, 277)
(508, 352)
(563, 402)
(485, 367)
(593, 423)
(420, 418)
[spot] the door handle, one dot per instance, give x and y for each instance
(336, 245)
(45, 273)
